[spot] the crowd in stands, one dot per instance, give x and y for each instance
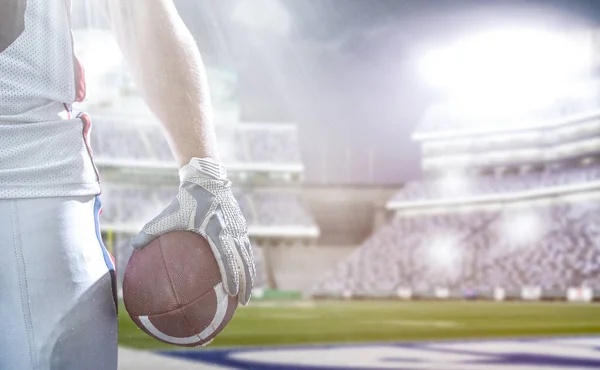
(260, 280)
(575, 133)
(441, 188)
(274, 208)
(112, 138)
(135, 205)
(266, 144)
(476, 251)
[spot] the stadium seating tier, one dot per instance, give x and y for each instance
(553, 246)
(113, 138)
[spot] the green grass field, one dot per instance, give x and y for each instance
(270, 323)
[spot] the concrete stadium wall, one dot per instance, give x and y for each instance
(347, 215)
(301, 267)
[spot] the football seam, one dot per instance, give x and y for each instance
(162, 255)
(190, 327)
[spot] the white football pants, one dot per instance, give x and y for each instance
(57, 309)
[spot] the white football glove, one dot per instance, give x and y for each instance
(206, 206)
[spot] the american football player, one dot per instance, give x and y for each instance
(57, 306)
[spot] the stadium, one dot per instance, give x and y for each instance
(489, 258)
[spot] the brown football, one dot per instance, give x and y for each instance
(172, 290)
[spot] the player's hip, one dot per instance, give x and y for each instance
(47, 159)
(59, 236)
(56, 283)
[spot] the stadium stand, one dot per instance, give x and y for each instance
(472, 251)
(261, 280)
(117, 137)
(494, 218)
(497, 185)
(127, 204)
(121, 141)
(272, 144)
(282, 208)
(546, 137)
(458, 134)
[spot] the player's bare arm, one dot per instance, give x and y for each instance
(168, 70)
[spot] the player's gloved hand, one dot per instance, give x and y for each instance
(205, 205)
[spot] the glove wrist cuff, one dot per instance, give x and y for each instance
(205, 166)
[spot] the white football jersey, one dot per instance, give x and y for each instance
(44, 151)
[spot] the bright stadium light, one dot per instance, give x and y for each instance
(522, 228)
(443, 251)
(227, 149)
(264, 15)
(98, 51)
(507, 63)
(103, 63)
(454, 183)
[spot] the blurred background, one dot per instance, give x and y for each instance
(383, 151)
